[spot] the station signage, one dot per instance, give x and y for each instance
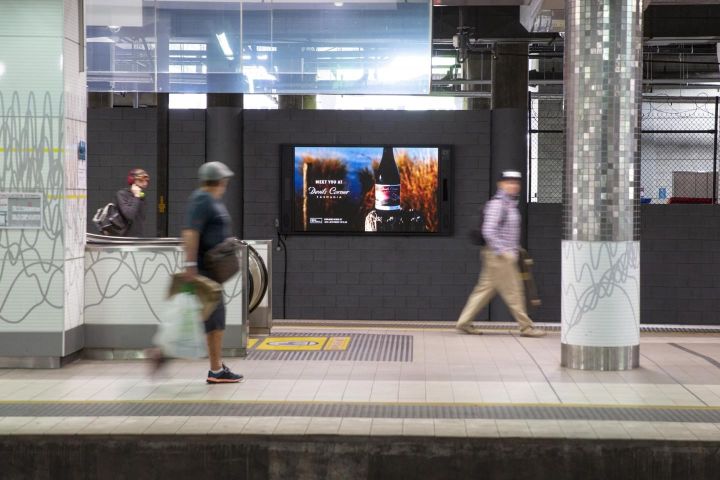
(21, 210)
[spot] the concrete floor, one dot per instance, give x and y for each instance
(500, 368)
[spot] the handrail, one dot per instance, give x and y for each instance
(94, 239)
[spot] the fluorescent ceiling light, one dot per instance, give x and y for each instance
(254, 72)
(187, 100)
(443, 61)
(100, 40)
(404, 68)
(225, 45)
(118, 13)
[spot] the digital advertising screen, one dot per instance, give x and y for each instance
(366, 189)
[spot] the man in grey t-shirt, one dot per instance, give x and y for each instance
(207, 225)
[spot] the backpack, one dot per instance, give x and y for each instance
(109, 221)
(476, 235)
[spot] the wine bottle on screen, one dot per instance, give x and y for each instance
(387, 183)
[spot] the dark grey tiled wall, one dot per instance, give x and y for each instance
(123, 138)
(680, 262)
(187, 153)
(120, 139)
(401, 278)
(544, 233)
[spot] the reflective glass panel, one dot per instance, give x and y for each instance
(253, 46)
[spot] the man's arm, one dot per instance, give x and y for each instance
(128, 204)
(491, 225)
(191, 244)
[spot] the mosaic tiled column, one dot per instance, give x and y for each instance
(601, 248)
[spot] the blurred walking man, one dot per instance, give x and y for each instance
(207, 225)
(500, 272)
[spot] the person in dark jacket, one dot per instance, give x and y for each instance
(131, 202)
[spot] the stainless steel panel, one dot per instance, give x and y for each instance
(600, 358)
(261, 318)
(30, 362)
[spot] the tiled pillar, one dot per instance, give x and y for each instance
(477, 66)
(509, 120)
(42, 123)
(601, 247)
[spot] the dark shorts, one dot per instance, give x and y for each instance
(216, 320)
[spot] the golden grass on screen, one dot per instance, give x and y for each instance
(418, 186)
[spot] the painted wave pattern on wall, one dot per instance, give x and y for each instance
(32, 261)
(130, 287)
(600, 293)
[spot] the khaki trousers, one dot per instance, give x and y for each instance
(500, 274)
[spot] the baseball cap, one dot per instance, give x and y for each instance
(212, 171)
(511, 175)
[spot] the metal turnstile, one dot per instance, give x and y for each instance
(260, 286)
(127, 278)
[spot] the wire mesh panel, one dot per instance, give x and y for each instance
(546, 150)
(679, 149)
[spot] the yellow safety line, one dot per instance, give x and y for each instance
(66, 197)
(604, 406)
(31, 150)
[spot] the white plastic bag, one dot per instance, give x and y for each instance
(181, 333)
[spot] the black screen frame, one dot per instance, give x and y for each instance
(445, 193)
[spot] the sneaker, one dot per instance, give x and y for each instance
(532, 332)
(224, 376)
(469, 330)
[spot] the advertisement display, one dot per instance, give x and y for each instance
(366, 189)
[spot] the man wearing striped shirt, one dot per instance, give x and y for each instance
(500, 272)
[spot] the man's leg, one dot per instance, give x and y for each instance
(481, 294)
(215, 329)
(214, 343)
(509, 285)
